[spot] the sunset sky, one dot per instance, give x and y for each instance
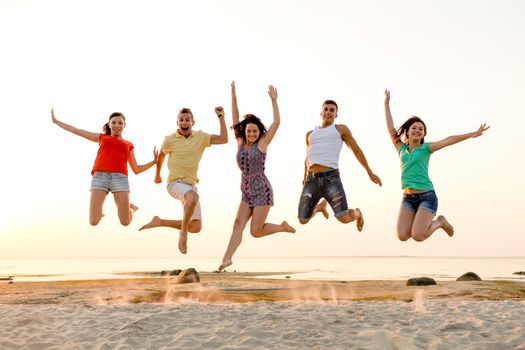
(455, 64)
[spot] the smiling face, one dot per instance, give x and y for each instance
(252, 133)
(117, 125)
(328, 113)
(416, 132)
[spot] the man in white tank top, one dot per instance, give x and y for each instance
(321, 171)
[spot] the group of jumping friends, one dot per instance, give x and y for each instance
(321, 183)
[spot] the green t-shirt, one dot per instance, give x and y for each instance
(414, 167)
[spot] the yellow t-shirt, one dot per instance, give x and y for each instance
(184, 155)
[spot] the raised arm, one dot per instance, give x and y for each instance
(435, 146)
(347, 137)
(390, 122)
(160, 161)
(268, 137)
(235, 108)
(91, 136)
(137, 169)
(223, 136)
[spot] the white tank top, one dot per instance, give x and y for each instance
(324, 147)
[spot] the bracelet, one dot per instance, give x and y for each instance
(221, 114)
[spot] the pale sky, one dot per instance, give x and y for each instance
(455, 64)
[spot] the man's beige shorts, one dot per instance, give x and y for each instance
(178, 189)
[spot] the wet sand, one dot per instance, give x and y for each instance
(244, 287)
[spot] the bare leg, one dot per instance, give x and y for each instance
(319, 208)
(96, 202)
(405, 221)
(259, 228)
(124, 207)
(189, 203)
(445, 225)
(183, 242)
(193, 227)
(353, 215)
(424, 227)
(244, 213)
(360, 221)
(191, 198)
(287, 227)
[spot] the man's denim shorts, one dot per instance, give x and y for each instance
(109, 182)
(425, 200)
(325, 185)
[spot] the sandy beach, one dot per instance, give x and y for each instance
(238, 311)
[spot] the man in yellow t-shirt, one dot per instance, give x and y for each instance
(185, 148)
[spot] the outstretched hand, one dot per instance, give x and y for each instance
(387, 97)
(155, 154)
(480, 131)
(375, 179)
(272, 91)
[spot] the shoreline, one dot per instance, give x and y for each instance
(276, 275)
(248, 287)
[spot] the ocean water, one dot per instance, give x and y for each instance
(309, 268)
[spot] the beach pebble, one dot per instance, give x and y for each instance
(188, 276)
(175, 272)
(421, 281)
(469, 276)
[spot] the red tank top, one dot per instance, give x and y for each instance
(113, 155)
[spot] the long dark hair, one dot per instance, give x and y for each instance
(240, 128)
(106, 129)
(403, 129)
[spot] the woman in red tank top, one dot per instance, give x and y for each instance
(110, 171)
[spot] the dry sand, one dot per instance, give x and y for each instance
(226, 311)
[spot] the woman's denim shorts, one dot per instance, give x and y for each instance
(109, 182)
(425, 200)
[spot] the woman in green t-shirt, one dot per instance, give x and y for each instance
(420, 203)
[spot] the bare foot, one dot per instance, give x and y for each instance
(360, 221)
(225, 264)
(445, 225)
(321, 207)
(155, 222)
(287, 227)
(183, 242)
(133, 207)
